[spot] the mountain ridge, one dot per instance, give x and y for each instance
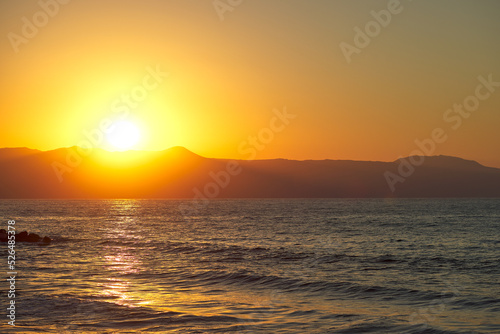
(184, 150)
(179, 173)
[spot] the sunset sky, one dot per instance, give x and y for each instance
(229, 69)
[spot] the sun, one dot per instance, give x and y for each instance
(123, 135)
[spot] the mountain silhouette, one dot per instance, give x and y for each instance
(180, 173)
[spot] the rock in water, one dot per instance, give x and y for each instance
(24, 236)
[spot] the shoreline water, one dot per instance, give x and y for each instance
(336, 266)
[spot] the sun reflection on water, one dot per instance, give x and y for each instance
(126, 261)
(119, 260)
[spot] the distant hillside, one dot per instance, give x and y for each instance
(179, 173)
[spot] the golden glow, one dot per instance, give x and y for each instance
(123, 135)
(223, 85)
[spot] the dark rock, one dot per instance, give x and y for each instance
(33, 237)
(23, 236)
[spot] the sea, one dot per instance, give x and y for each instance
(254, 266)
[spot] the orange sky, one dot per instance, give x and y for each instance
(225, 77)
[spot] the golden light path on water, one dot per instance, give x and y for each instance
(120, 262)
(121, 267)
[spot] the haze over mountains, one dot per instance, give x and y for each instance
(179, 173)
